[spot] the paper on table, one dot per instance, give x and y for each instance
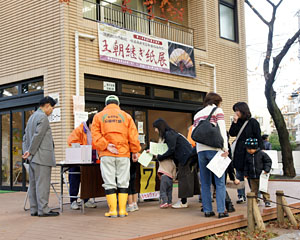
(145, 158)
(158, 148)
(263, 182)
(218, 164)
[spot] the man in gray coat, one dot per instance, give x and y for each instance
(38, 148)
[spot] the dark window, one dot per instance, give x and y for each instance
(10, 91)
(228, 19)
(193, 96)
(133, 89)
(32, 87)
(93, 84)
(163, 93)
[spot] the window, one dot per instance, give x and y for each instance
(228, 19)
(10, 91)
(32, 87)
(193, 96)
(133, 89)
(163, 93)
(89, 9)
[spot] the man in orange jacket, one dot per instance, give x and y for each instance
(115, 136)
(82, 135)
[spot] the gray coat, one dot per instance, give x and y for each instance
(38, 140)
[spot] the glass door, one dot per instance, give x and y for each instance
(12, 127)
(5, 156)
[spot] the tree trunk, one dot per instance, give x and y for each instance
(284, 139)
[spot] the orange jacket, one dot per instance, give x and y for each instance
(189, 136)
(112, 125)
(79, 136)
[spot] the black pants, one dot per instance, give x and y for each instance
(74, 181)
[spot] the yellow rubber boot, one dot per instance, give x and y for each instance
(122, 204)
(112, 204)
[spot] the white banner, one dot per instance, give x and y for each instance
(133, 49)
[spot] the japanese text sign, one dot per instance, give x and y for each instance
(142, 51)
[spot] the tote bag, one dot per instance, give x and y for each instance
(207, 133)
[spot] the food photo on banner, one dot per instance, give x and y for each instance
(182, 61)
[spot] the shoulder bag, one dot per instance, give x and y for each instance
(207, 133)
(233, 145)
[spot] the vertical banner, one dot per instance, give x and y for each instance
(148, 175)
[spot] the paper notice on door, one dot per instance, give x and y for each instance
(145, 158)
(142, 139)
(218, 164)
(158, 148)
(140, 127)
(78, 104)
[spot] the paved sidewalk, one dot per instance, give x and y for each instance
(15, 223)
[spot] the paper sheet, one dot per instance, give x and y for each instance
(274, 157)
(145, 158)
(158, 148)
(218, 164)
(263, 182)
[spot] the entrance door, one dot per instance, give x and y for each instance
(12, 127)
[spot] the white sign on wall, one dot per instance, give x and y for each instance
(80, 117)
(109, 86)
(55, 116)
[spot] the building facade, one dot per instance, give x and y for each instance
(39, 57)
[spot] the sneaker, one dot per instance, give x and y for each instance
(164, 205)
(267, 204)
(135, 207)
(89, 204)
(179, 204)
(130, 208)
(241, 200)
(74, 206)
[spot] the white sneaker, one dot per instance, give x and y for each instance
(74, 206)
(132, 208)
(179, 204)
(135, 207)
(89, 204)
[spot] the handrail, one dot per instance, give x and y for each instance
(157, 26)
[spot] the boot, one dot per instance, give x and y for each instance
(122, 204)
(112, 204)
(228, 203)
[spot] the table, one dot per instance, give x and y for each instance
(91, 181)
(90, 178)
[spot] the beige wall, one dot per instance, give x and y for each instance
(30, 46)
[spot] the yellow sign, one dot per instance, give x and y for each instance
(148, 175)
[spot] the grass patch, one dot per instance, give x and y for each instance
(6, 191)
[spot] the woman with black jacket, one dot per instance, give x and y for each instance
(180, 150)
(251, 130)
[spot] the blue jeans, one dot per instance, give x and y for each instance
(240, 176)
(204, 158)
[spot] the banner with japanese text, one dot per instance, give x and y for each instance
(142, 51)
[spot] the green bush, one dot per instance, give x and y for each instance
(274, 140)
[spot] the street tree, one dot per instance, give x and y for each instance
(270, 71)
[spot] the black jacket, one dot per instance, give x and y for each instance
(179, 149)
(252, 130)
(256, 163)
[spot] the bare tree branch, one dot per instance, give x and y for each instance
(256, 12)
(273, 5)
(277, 60)
(279, 3)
